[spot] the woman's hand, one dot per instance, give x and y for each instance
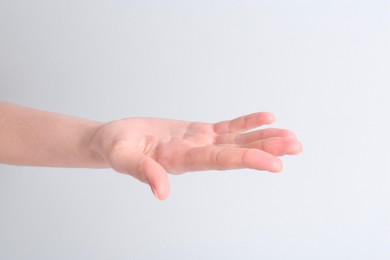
(148, 148)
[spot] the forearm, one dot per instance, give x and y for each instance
(39, 138)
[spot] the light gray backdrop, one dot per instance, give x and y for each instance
(321, 66)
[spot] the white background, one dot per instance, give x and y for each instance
(321, 66)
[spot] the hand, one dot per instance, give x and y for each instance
(148, 148)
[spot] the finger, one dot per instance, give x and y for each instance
(254, 136)
(156, 176)
(244, 123)
(225, 158)
(277, 146)
(142, 168)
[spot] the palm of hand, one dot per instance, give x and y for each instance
(147, 148)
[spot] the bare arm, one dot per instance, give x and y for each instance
(145, 148)
(39, 138)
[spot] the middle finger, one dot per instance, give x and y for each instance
(250, 137)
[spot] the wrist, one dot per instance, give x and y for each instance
(91, 145)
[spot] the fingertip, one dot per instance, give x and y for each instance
(258, 119)
(271, 117)
(276, 166)
(288, 134)
(161, 193)
(263, 118)
(296, 148)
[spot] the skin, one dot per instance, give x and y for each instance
(145, 148)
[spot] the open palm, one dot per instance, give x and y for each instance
(148, 148)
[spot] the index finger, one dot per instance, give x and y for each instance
(243, 123)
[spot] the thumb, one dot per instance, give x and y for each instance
(142, 168)
(152, 173)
